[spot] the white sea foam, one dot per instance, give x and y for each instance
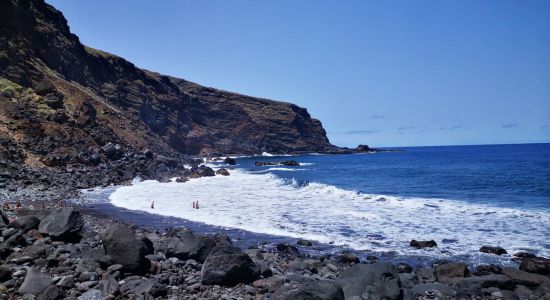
(264, 203)
(278, 169)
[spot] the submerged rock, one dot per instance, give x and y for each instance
(423, 244)
(222, 172)
(230, 161)
(493, 250)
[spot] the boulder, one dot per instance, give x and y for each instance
(485, 281)
(423, 244)
(15, 239)
(112, 151)
(51, 293)
(287, 251)
(185, 245)
(124, 248)
(62, 224)
(319, 290)
(230, 161)
(26, 223)
(290, 163)
(526, 278)
(445, 273)
(202, 171)
(35, 282)
(525, 255)
(4, 221)
(304, 243)
(538, 265)
(143, 287)
(348, 258)
(431, 291)
(222, 172)
(5, 273)
(426, 275)
(487, 270)
(93, 294)
(227, 265)
(404, 268)
(374, 281)
(493, 250)
(109, 285)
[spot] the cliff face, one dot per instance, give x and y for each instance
(60, 101)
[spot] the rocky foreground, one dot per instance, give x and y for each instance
(58, 253)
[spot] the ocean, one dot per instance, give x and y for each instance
(463, 197)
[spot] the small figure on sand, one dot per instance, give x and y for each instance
(153, 204)
(194, 204)
(197, 205)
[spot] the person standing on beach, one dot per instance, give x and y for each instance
(194, 204)
(197, 205)
(153, 204)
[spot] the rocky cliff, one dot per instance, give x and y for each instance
(62, 101)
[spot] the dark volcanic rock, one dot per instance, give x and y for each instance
(374, 281)
(487, 270)
(63, 224)
(537, 265)
(184, 245)
(35, 282)
(5, 273)
(222, 172)
(526, 278)
(318, 290)
(423, 244)
(348, 258)
(228, 265)
(290, 163)
(51, 293)
(404, 268)
(230, 161)
(288, 251)
(304, 243)
(121, 244)
(26, 223)
(493, 250)
(445, 273)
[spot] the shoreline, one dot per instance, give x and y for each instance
(289, 266)
(245, 238)
(281, 271)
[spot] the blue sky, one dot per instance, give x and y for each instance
(383, 73)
